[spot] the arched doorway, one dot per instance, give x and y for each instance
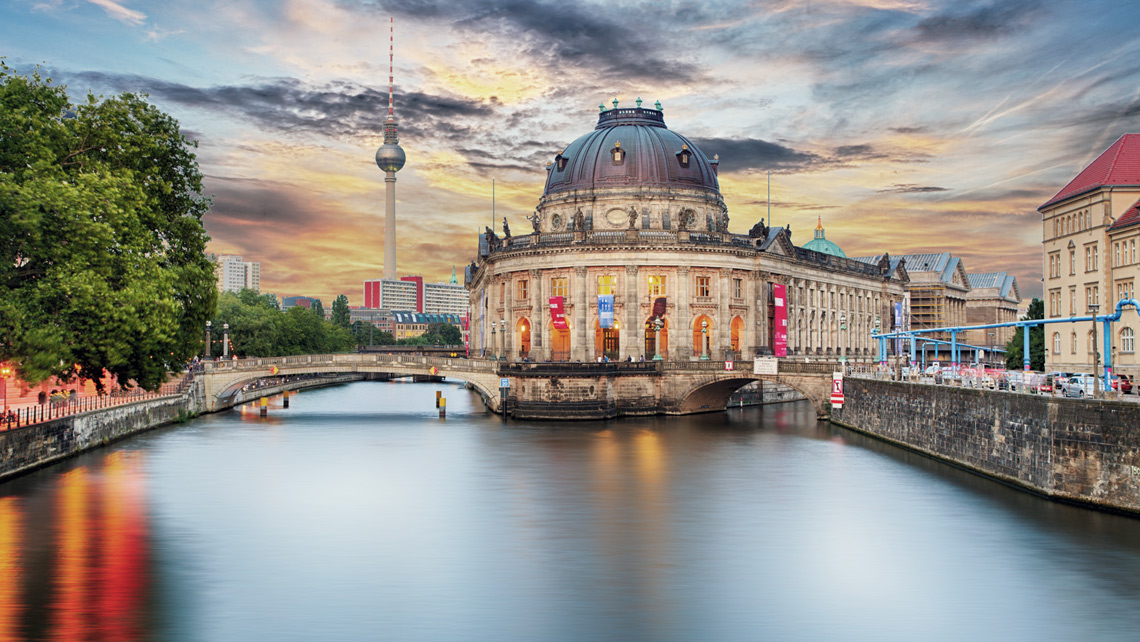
(655, 339)
(702, 336)
(734, 339)
(607, 341)
(559, 343)
(523, 330)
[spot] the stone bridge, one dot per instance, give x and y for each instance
(540, 390)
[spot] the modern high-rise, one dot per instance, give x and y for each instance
(234, 274)
(390, 158)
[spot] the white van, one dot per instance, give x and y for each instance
(1078, 385)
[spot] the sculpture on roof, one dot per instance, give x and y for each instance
(758, 231)
(506, 229)
(492, 240)
(579, 221)
(535, 221)
(632, 218)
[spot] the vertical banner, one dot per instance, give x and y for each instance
(557, 314)
(659, 308)
(606, 310)
(837, 390)
(779, 300)
(898, 327)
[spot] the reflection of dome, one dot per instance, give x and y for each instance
(631, 147)
(390, 157)
(821, 244)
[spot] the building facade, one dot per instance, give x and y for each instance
(1089, 229)
(630, 257)
(234, 274)
(445, 298)
(993, 298)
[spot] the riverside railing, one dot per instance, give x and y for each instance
(58, 406)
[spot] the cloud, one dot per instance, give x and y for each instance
(909, 188)
(120, 13)
(742, 154)
(982, 23)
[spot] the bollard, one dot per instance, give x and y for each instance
(285, 402)
(442, 403)
(438, 396)
(264, 406)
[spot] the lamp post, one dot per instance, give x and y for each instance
(657, 325)
(503, 337)
(704, 340)
(208, 340)
(992, 348)
(494, 344)
(843, 334)
(4, 372)
(1093, 307)
(225, 340)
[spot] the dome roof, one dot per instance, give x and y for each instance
(631, 147)
(822, 245)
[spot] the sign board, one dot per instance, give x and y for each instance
(434, 371)
(728, 365)
(274, 370)
(837, 390)
(780, 320)
(766, 365)
(504, 383)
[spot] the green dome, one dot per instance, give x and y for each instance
(822, 245)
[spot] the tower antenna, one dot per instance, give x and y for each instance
(391, 56)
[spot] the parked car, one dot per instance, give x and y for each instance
(1079, 385)
(1122, 383)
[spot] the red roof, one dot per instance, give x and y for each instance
(1131, 217)
(1118, 165)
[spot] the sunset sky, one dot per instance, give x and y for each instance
(907, 126)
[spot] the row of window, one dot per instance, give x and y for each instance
(1124, 253)
(1124, 290)
(1127, 341)
(1092, 261)
(1077, 222)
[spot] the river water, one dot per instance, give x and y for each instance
(359, 514)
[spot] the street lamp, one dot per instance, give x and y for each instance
(843, 333)
(208, 340)
(704, 340)
(503, 337)
(657, 325)
(1094, 307)
(494, 344)
(225, 340)
(4, 372)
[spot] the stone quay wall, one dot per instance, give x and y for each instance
(1072, 450)
(27, 448)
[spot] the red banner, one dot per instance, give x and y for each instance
(659, 308)
(557, 316)
(780, 336)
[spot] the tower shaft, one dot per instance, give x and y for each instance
(390, 225)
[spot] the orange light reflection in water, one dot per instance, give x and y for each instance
(124, 549)
(72, 610)
(10, 568)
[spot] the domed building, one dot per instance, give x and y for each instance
(821, 244)
(629, 256)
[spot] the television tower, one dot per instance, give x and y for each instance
(390, 158)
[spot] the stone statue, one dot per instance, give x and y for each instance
(683, 222)
(579, 221)
(535, 222)
(722, 222)
(506, 229)
(632, 218)
(758, 231)
(492, 240)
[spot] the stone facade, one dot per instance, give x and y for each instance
(634, 211)
(1066, 449)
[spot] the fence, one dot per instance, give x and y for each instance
(60, 406)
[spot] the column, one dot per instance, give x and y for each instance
(538, 352)
(508, 330)
(681, 333)
(721, 340)
(757, 314)
(631, 334)
(579, 350)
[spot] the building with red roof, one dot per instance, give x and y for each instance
(1091, 230)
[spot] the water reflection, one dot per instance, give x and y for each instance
(359, 514)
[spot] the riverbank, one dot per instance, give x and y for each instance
(29, 448)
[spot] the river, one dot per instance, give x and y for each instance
(359, 514)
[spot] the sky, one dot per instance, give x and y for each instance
(906, 126)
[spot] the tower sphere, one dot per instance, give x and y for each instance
(390, 157)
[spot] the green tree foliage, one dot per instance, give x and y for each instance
(318, 309)
(102, 263)
(1014, 355)
(259, 329)
(444, 334)
(340, 314)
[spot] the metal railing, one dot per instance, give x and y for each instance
(59, 406)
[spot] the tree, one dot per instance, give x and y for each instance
(102, 262)
(444, 334)
(1014, 355)
(340, 315)
(318, 309)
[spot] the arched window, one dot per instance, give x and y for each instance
(1073, 348)
(1056, 343)
(1127, 340)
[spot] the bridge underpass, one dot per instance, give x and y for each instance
(539, 390)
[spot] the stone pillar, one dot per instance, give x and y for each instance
(721, 340)
(757, 321)
(681, 335)
(578, 349)
(508, 330)
(633, 330)
(538, 352)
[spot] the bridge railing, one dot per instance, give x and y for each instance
(349, 358)
(560, 368)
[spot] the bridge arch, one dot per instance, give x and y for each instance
(711, 393)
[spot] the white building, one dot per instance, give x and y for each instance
(398, 295)
(234, 274)
(445, 298)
